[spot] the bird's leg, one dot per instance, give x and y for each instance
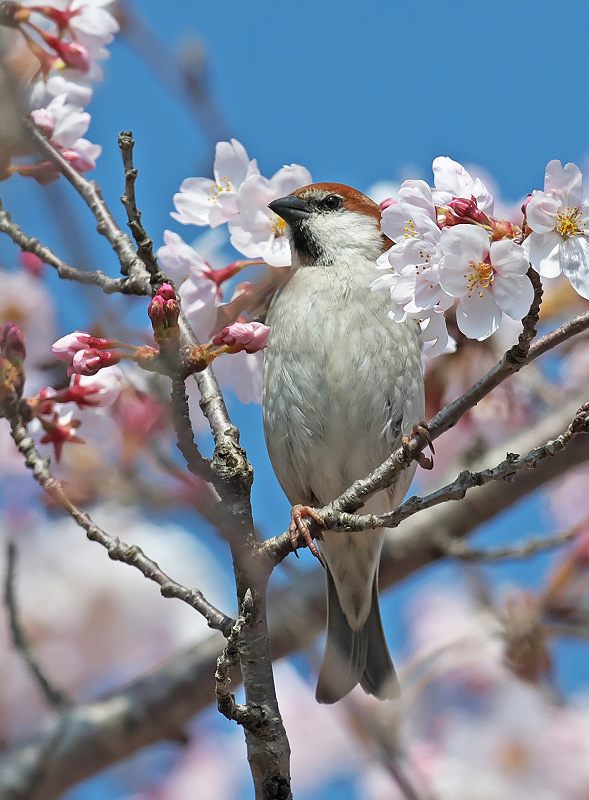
(420, 429)
(298, 528)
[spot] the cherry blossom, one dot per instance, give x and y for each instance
(89, 362)
(61, 121)
(248, 336)
(102, 623)
(487, 278)
(66, 347)
(60, 430)
(452, 180)
(25, 300)
(202, 201)
(434, 334)
(559, 221)
(258, 232)
(181, 261)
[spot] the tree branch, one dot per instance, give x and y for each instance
(356, 495)
(268, 748)
(54, 696)
(161, 701)
(198, 465)
(143, 241)
(457, 489)
(459, 549)
(250, 717)
(65, 271)
(117, 549)
(130, 262)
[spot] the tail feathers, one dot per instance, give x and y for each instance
(353, 657)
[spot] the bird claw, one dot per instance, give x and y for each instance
(420, 429)
(299, 530)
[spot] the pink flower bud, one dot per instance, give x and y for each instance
(388, 201)
(72, 54)
(467, 210)
(164, 310)
(12, 343)
(166, 291)
(66, 347)
(32, 263)
(89, 362)
(248, 336)
(156, 311)
(463, 207)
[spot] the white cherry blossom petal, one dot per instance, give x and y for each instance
(508, 257)
(453, 180)
(478, 316)
(513, 294)
(574, 261)
(542, 210)
(193, 201)
(542, 251)
(565, 182)
(232, 163)
(179, 259)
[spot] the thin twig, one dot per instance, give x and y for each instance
(130, 262)
(65, 271)
(54, 696)
(198, 465)
(143, 241)
(117, 549)
(118, 725)
(457, 489)
(456, 548)
(383, 476)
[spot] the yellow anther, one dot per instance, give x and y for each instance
(481, 276)
(569, 222)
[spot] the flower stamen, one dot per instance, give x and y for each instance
(569, 222)
(480, 277)
(409, 231)
(279, 226)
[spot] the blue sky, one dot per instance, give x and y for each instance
(357, 92)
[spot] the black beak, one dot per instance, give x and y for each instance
(290, 208)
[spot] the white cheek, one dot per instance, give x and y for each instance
(345, 234)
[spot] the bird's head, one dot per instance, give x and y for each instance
(331, 222)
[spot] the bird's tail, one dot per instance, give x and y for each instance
(353, 657)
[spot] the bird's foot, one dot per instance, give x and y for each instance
(298, 528)
(420, 429)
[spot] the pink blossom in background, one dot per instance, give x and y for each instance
(25, 301)
(101, 623)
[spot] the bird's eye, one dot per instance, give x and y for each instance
(332, 202)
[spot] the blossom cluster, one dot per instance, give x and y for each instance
(239, 195)
(449, 251)
(68, 39)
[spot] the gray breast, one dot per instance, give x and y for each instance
(342, 382)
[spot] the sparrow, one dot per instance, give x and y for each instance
(343, 383)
